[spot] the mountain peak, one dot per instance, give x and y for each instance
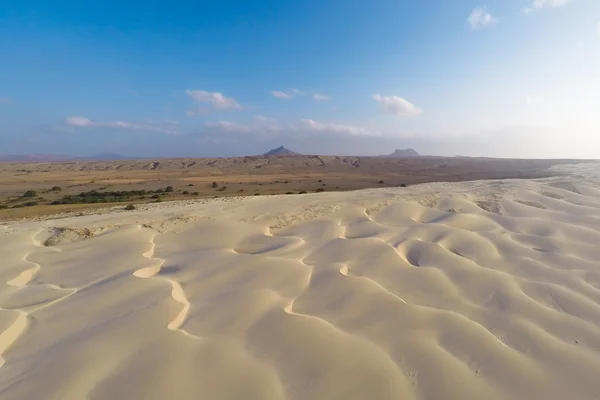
(404, 153)
(281, 151)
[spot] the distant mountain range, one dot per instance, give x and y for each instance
(281, 151)
(403, 153)
(109, 157)
(39, 157)
(36, 157)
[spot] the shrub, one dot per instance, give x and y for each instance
(55, 189)
(30, 193)
(214, 185)
(186, 192)
(241, 190)
(256, 194)
(403, 185)
(169, 189)
(129, 207)
(381, 182)
(302, 192)
(290, 193)
(191, 184)
(158, 200)
(196, 193)
(319, 190)
(223, 189)
(320, 180)
(30, 204)
(156, 196)
(3, 206)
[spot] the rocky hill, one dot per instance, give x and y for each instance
(281, 151)
(403, 153)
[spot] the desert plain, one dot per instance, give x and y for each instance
(34, 188)
(453, 289)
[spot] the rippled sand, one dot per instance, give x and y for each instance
(479, 290)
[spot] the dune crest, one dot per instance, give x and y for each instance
(177, 293)
(469, 290)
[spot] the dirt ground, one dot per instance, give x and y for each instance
(241, 176)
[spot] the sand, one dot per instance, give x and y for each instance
(476, 290)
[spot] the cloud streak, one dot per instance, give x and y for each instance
(292, 93)
(259, 126)
(537, 4)
(4, 100)
(167, 127)
(480, 18)
(396, 105)
(320, 97)
(266, 127)
(334, 128)
(229, 127)
(216, 100)
(281, 95)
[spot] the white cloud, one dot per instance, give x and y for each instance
(229, 127)
(263, 127)
(4, 100)
(79, 121)
(168, 127)
(545, 3)
(480, 18)
(396, 105)
(267, 125)
(288, 94)
(291, 93)
(281, 95)
(320, 97)
(334, 128)
(216, 99)
(259, 126)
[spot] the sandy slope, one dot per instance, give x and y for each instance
(480, 290)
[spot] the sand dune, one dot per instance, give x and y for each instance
(477, 290)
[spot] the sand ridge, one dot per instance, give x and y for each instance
(178, 294)
(27, 299)
(483, 289)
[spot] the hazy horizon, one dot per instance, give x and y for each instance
(510, 78)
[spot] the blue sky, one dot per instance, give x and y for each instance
(504, 78)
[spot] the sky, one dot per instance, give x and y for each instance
(502, 78)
